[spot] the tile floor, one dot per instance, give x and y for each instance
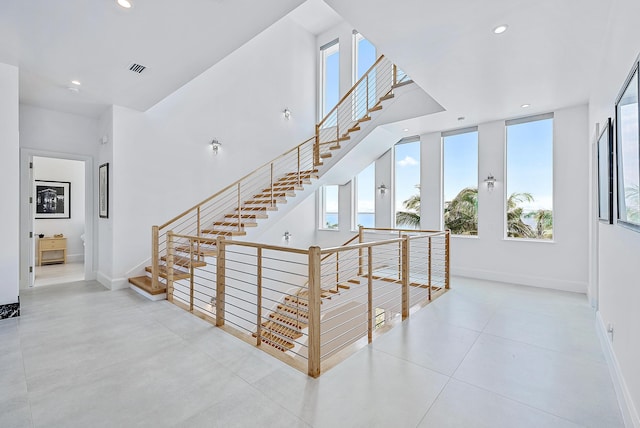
(58, 273)
(483, 355)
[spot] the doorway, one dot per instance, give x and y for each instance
(58, 212)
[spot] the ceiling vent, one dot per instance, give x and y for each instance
(137, 68)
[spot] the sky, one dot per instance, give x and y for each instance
(460, 163)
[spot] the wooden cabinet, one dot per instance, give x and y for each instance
(55, 249)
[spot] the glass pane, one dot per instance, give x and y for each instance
(530, 180)
(628, 154)
(460, 180)
(331, 207)
(407, 185)
(366, 202)
(366, 56)
(331, 82)
(603, 174)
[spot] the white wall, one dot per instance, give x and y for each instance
(618, 248)
(162, 163)
(10, 177)
(54, 134)
(561, 264)
(51, 169)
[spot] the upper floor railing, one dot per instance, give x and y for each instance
(310, 307)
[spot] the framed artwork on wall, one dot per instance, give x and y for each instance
(53, 199)
(605, 173)
(103, 190)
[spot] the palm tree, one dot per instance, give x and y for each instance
(516, 227)
(411, 217)
(544, 223)
(632, 203)
(461, 213)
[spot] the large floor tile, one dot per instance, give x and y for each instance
(15, 413)
(461, 405)
(572, 336)
(369, 389)
(576, 389)
(435, 345)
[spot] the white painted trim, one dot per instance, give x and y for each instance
(629, 412)
(151, 297)
(112, 283)
(75, 258)
(533, 281)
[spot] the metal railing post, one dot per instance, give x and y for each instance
(271, 185)
(155, 257)
(405, 276)
(314, 312)
(316, 147)
(220, 280)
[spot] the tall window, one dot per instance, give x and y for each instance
(365, 200)
(628, 154)
(330, 81)
(407, 183)
(330, 207)
(530, 177)
(364, 55)
(460, 181)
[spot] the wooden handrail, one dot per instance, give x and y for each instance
(353, 88)
(234, 184)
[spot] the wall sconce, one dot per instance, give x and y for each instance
(287, 236)
(215, 146)
(382, 189)
(491, 182)
(287, 113)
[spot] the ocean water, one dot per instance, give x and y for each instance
(364, 219)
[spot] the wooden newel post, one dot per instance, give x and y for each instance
(220, 280)
(405, 276)
(370, 314)
(155, 268)
(170, 266)
(314, 312)
(259, 298)
(360, 251)
(447, 264)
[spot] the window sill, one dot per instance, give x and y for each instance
(541, 241)
(630, 226)
(465, 236)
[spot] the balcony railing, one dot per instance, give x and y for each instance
(311, 307)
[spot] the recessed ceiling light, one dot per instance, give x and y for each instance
(125, 3)
(525, 105)
(500, 29)
(73, 89)
(406, 129)
(76, 82)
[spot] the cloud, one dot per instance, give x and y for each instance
(407, 161)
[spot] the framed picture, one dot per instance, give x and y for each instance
(103, 190)
(53, 199)
(605, 173)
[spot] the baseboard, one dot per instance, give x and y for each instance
(75, 258)
(533, 281)
(628, 409)
(112, 283)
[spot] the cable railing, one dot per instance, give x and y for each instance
(365, 97)
(310, 307)
(237, 206)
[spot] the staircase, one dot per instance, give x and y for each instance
(245, 203)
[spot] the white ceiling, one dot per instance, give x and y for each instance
(95, 41)
(546, 57)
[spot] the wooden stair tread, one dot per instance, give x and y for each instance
(223, 232)
(286, 319)
(277, 342)
(354, 280)
(387, 97)
(336, 147)
(250, 216)
(325, 155)
(344, 286)
(265, 201)
(234, 224)
(144, 283)
(184, 261)
(364, 119)
(204, 250)
(163, 273)
(281, 329)
(375, 108)
(354, 129)
(259, 209)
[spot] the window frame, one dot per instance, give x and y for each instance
(356, 198)
(519, 121)
(327, 50)
(322, 196)
(635, 72)
(393, 190)
(452, 133)
(606, 137)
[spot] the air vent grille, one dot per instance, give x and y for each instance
(137, 68)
